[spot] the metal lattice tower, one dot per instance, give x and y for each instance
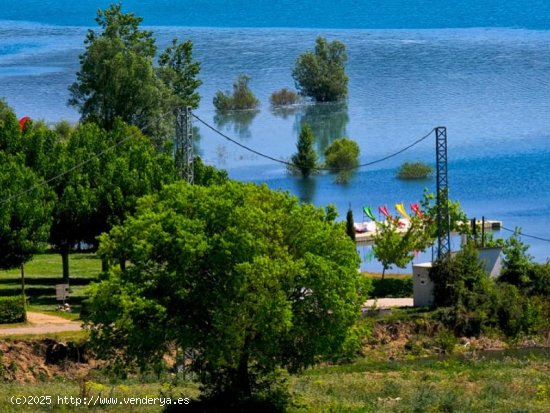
(443, 246)
(184, 144)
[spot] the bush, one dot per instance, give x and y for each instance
(392, 287)
(284, 97)
(12, 310)
(461, 284)
(515, 313)
(414, 170)
(241, 99)
(342, 154)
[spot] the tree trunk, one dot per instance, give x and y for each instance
(104, 265)
(65, 261)
(383, 272)
(23, 280)
(243, 378)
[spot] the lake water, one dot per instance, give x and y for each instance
(483, 71)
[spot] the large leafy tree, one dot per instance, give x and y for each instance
(25, 204)
(321, 74)
(108, 172)
(117, 77)
(25, 217)
(244, 277)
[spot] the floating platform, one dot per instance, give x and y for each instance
(367, 237)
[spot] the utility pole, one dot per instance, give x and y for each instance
(184, 145)
(443, 246)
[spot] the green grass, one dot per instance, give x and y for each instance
(520, 384)
(41, 276)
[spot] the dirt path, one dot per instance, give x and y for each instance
(384, 303)
(42, 323)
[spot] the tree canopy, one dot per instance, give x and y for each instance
(117, 77)
(24, 219)
(245, 277)
(321, 74)
(93, 198)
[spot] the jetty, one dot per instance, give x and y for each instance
(368, 236)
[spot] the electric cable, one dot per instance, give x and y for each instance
(315, 168)
(525, 235)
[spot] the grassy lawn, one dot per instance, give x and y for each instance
(41, 276)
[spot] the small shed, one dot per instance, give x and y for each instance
(423, 285)
(491, 260)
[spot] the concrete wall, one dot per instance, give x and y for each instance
(491, 259)
(422, 285)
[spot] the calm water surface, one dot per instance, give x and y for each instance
(489, 86)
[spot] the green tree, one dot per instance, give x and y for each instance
(10, 134)
(97, 195)
(117, 78)
(517, 261)
(242, 98)
(25, 203)
(321, 74)
(245, 278)
(461, 285)
(179, 72)
(342, 156)
(350, 225)
(395, 242)
(305, 160)
(25, 217)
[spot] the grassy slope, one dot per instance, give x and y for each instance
(516, 384)
(43, 273)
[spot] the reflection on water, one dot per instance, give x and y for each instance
(306, 189)
(197, 141)
(237, 122)
(327, 120)
(285, 112)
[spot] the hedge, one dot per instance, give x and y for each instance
(392, 287)
(12, 310)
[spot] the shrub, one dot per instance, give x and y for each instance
(392, 287)
(515, 313)
(414, 170)
(241, 99)
(284, 97)
(342, 154)
(12, 310)
(461, 284)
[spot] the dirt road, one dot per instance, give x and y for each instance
(38, 323)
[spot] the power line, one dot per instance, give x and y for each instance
(525, 235)
(263, 155)
(79, 165)
(97, 155)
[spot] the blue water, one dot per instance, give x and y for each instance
(482, 69)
